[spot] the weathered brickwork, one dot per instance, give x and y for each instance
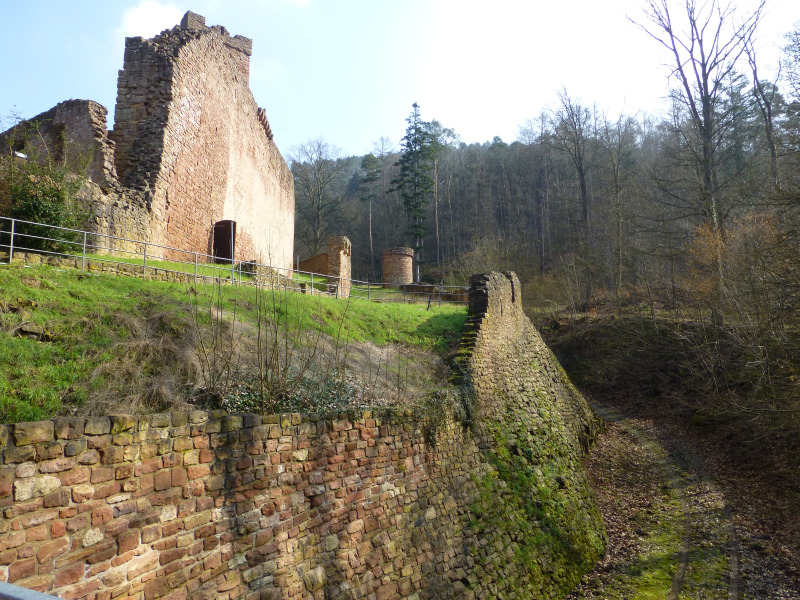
(334, 264)
(358, 505)
(398, 265)
(190, 138)
(190, 147)
(315, 264)
(339, 253)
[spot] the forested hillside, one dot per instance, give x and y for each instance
(699, 203)
(692, 215)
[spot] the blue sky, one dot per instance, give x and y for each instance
(349, 70)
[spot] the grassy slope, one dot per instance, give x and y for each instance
(60, 329)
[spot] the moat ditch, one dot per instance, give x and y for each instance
(677, 528)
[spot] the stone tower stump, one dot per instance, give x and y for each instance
(398, 266)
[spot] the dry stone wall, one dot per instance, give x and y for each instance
(513, 370)
(434, 503)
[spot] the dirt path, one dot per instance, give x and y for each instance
(673, 534)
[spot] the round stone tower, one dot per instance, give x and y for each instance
(398, 266)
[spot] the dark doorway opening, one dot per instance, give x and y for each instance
(224, 241)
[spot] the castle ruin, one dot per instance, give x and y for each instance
(190, 163)
(335, 264)
(398, 266)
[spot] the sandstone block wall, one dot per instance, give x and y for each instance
(190, 147)
(335, 264)
(72, 133)
(190, 137)
(357, 505)
(315, 264)
(514, 371)
(339, 271)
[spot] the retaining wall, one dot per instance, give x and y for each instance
(480, 494)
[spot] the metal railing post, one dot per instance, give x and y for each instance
(458, 295)
(11, 244)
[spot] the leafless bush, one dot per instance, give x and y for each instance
(286, 351)
(216, 335)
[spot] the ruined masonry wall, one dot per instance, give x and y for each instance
(339, 270)
(72, 133)
(205, 505)
(510, 362)
(315, 264)
(190, 139)
(334, 264)
(230, 506)
(398, 265)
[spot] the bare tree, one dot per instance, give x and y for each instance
(319, 172)
(618, 143)
(572, 130)
(704, 52)
(765, 95)
(791, 62)
(705, 44)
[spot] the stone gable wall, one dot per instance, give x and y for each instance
(190, 147)
(190, 137)
(357, 505)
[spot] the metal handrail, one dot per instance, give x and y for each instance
(9, 591)
(201, 262)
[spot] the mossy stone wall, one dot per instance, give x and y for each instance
(358, 505)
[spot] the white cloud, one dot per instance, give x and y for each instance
(148, 18)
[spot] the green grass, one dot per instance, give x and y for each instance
(87, 322)
(320, 283)
(203, 269)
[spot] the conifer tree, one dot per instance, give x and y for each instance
(414, 182)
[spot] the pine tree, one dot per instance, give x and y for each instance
(414, 182)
